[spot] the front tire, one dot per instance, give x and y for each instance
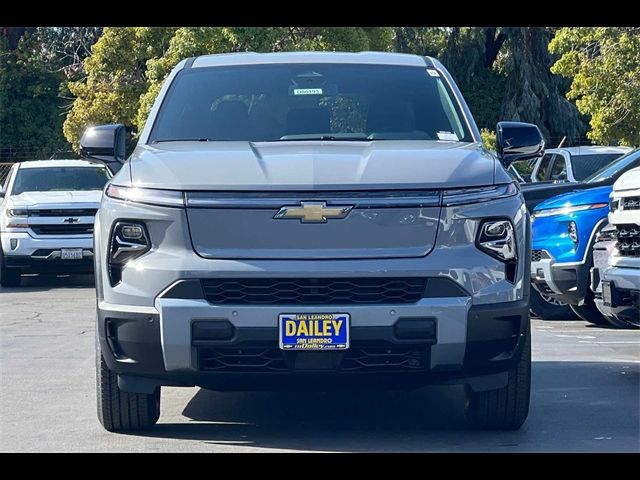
(621, 322)
(547, 308)
(8, 277)
(504, 408)
(120, 411)
(589, 313)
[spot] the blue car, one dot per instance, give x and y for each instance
(563, 233)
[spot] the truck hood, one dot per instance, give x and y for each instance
(39, 199)
(628, 181)
(580, 197)
(311, 165)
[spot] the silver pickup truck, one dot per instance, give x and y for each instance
(312, 220)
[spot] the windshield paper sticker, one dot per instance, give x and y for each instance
(448, 136)
(432, 72)
(307, 91)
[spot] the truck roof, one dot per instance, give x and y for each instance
(252, 58)
(60, 163)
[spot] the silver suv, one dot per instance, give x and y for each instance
(312, 220)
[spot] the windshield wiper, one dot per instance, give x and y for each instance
(164, 140)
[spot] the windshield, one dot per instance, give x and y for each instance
(48, 179)
(288, 102)
(616, 168)
(585, 165)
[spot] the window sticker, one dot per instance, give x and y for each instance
(447, 136)
(432, 72)
(307, 91)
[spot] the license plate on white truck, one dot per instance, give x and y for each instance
(71, 254)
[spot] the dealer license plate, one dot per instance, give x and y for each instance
(71, 254)
(314, 331)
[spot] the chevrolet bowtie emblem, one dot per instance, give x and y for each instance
(71, 220)
(312, 212)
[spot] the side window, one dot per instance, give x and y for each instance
(541, 174)
(559, 168)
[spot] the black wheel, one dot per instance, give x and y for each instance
(589, 313)
(8, 276)
(120, 411)
(548, 308)
(505, 408)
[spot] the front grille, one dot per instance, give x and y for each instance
(628, 240)
(630, 203)
(358, 359)
(536, 255)
(63, 212)
(314, 291)
(63, 229)
(250, 359)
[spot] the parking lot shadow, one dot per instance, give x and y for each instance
(42, 283)
(574, 407)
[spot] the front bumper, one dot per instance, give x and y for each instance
(42, 255)
(619, 293)
(568, 282)
(163, 345)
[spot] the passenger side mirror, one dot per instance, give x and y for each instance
(105, 143)
(518, 141)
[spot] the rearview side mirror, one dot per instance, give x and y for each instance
(105, 143)
(518, 141)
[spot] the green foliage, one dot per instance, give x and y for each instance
(604, 65)
(116, 78)
(30, 108)
(489, 139)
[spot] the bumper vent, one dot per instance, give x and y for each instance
(358, 359)
(537, 255)
(314, 291)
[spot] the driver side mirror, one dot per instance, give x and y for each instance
(518, 141)
(105, 143)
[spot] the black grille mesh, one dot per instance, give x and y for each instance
(628, 240)
(314, 291)
(630, 203)
(63, 229)
(364, 358)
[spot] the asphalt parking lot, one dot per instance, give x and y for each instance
(586, 395)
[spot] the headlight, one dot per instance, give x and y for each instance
(496, 238)
(129, 240)
(17, 212)
(567, 210)
(165, 198)
(463, 196)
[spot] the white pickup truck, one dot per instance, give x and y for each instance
(616, 278)
(47, 209)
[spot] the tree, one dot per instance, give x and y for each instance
(503, 73)
(115, 78)
(35, 63)
(604, 66)
(30, 120)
